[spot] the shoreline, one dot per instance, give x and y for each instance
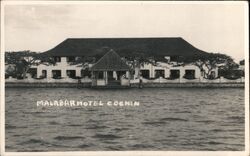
(133, 85)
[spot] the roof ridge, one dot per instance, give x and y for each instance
(102, 57)
(124, 46)
(113, 55)
(78, 38)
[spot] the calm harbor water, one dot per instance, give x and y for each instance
(167, 119)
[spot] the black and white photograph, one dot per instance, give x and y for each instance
(134, 76)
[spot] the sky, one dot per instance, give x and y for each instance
(209, 27)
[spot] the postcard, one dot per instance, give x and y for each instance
(124, 78)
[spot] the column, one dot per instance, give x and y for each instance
(127, 75)
(105, 76)
(63, 73)
(197, 73)
(39, 72)
(78, 72)
(182, 72)
(49, 74)
(137, 73)
(167, 73)
(114, 75)
(151, 71)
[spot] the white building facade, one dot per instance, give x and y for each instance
(66, 69)
(61, 69)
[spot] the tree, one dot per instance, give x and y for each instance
(139, 61)
(208, 62)
(242, 62)
(84, 61)
(23, 60)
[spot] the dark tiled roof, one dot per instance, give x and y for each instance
(111, 61)
(125, 47)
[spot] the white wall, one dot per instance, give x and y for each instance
(63, 66)
(167, 67)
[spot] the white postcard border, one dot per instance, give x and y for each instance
(123, 153)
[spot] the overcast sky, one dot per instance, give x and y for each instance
(212, 28)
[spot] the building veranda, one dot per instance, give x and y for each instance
(110, 70)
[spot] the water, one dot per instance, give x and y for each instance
(167, 119)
